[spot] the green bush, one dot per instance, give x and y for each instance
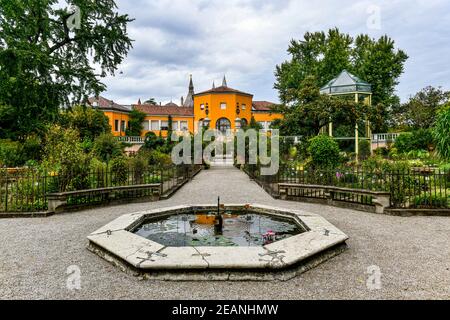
(384, 152)
(364, 149)
(441, 132)
(99, 173)
(139, 166)
(32, 149)
(417, 140)
(119, 170)
(425, 201)
(153, 142)
(89, 122)
(324, 152)
(136, 118)
(16, 154)
(423, 139)
(107, 147)
(9, 154)
(64, 155)
(158, 158)
(404, 143)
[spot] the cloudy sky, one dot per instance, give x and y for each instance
(246, 39)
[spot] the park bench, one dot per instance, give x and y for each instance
(58, 202)
(333, 195)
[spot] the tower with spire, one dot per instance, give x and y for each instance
(189, 101)
(224, 81)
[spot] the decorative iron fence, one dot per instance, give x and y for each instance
(27, 190)
(421, 188)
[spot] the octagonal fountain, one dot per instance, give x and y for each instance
(225, 242)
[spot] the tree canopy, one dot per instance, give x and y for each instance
(89, 122)
(46, 63)
(421, 110)
(324, 55)
(311, 111)
(151, 101)
(136, 118)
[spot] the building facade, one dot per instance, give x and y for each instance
(222, 108)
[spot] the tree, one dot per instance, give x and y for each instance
(441, 132)
(46, 61)
(135, 123)
(421, 110)
(310, 111)
(324, 152)
(89, 122)
(107, 147)
(421, 139)
(153, 142)
(325, 55)
(253, 125)
(151, 101)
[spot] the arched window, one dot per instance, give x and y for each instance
(223, 125)
(244, 123)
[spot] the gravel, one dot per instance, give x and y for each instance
(413, 254)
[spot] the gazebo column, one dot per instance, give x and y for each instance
(330, 128)
(357, 133)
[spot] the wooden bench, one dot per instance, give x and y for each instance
(380, 199)
(58, 202)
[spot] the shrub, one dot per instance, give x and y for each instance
(441, 132)
(384, 152)
(64, 154)
(99, 173)
(119, 171)
(135, 123)
(9, 153)
(31, 149)
(404, 143)
(364, 149)
(89, 122)
(324, 152)
(153, 142)
(425, 201)
(107, 147)
(417, 140)
(139, 165)
(159, 158)
(423, 139)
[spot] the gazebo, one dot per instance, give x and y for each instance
(347, 84)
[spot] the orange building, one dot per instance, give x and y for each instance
(222, 108)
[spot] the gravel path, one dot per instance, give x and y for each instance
(413, 254)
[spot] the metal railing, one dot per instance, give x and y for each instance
(421, 188)
(131, 140)
(27, 190)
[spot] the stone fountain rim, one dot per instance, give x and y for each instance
(116, 240)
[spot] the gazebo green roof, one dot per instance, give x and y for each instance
(346, 83)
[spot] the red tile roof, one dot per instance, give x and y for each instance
(106, 104)
(168, 110)
(223, 89)
(263, 106)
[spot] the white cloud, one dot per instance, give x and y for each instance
(245, 39)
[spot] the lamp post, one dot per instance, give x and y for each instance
(238, 121)
(207, 120)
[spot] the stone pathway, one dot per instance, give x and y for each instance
(412, 253)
